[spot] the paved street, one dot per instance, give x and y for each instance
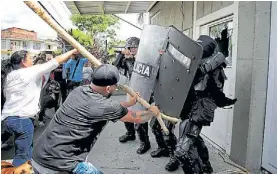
(112, 157)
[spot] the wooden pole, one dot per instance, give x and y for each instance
(46, 17)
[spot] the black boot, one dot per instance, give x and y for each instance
(130, 135)
(144, 147)
(127, 137)
(172, 165)
(142, 130)
(192, 163)
(171, 141)
(160, 152)
(203, 153)
(207, 167)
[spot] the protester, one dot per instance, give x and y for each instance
(49, 98)
(46, 101)
(58, 76)
(87, 73)
(74, 68)
(71, 134)
(22, 91)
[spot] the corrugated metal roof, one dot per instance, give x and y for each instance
(109, 7)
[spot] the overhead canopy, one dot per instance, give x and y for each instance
(109, 7)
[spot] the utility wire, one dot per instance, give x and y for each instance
(50, 14)
(183, 15)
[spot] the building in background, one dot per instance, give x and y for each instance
(247, 33)
(14, 39)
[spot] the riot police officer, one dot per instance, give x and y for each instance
(206, 94)
(125, 63)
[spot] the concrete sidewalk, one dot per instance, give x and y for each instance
(112, 157)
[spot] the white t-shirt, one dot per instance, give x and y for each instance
(22, 90)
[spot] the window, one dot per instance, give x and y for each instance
(3, 44)
(222, 33)
(36, 46)
(25, 45)
(49, 47)
(14, 45)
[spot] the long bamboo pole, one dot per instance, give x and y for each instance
(46, 17)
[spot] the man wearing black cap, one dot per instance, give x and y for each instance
(125, 62)
(69, 137)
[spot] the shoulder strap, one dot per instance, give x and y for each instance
(78, 61)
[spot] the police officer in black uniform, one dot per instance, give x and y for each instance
(125, 62)
(205, 95)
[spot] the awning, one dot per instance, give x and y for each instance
(109, 7)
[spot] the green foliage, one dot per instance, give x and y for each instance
(82, 37)
(100, 28)
(114, 43)
(94, 24)
(57, 52)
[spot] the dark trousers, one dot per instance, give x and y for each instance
(23, 129)
(164, 141)
(63, 89)
(71, 85)
(142, 130)
(191, 151)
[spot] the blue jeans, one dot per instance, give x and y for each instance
(23, 129)
(81, 168)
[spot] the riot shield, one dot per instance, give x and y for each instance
(147, 62)
(168, 75)
(177, 69)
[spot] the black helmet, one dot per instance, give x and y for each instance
(132, 42)
(209, 45)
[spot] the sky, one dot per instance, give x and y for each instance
(22, 17)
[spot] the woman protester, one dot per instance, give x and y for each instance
(22, 91)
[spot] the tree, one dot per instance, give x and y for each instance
(82, 37)
(94, 24)
(100, 28)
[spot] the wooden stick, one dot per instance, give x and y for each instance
(146, 105)
(46, 17)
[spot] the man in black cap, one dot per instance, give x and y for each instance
(125, 62)
(69, 137)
